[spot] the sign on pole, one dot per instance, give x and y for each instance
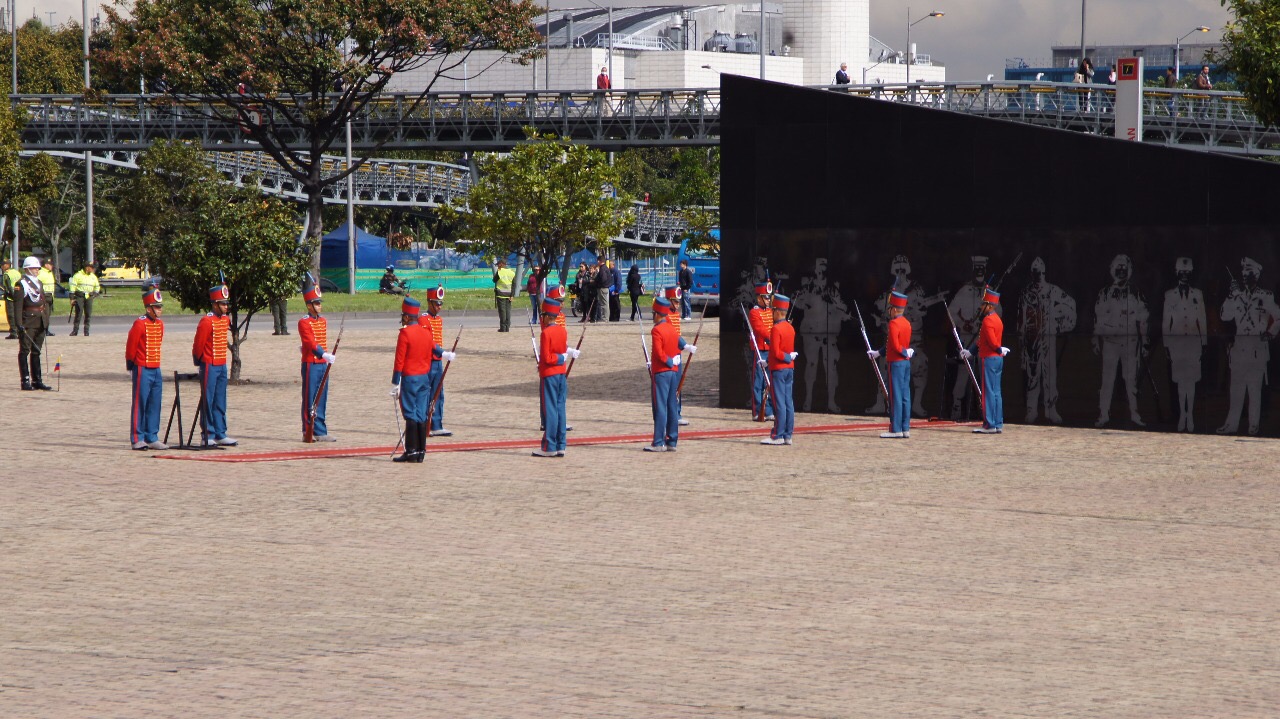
(1129, 98)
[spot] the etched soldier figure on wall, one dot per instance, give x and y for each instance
(1120, 338)
(1254, 312)
(1185, 334)
(918, 305)
(822, 311)
(964, 312)
(1045, 311)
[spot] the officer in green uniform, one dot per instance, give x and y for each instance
(84, 287)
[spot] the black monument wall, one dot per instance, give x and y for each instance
(829, 194)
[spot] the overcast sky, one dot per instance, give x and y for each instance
(975, 36)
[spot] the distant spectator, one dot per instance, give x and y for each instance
(586, 294)
(686, 287)
(615, 293)
(1170, 81)
(390, 284)
(1202, 80)
(534, 289)
(1084, 75)
(602, 80)
(603, 286)
(1111, 76)
(842, 75)
(635, 288)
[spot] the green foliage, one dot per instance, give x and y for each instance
(186, 225)
(545, 200)
(24, 183)
(1251, 45)
(290, 69)
(50, 60)
(673, 177)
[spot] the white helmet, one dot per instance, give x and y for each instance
(30, 262)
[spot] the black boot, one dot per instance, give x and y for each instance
(422, 442)
(26, 384)
(410, 443)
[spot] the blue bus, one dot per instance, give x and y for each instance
(706, 273)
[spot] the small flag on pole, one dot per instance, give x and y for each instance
(57, 366)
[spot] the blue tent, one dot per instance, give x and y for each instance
(371, 250)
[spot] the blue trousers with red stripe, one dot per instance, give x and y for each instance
(666, 409)
(900, 396)
(414, 397)
(144, 419)
(992, 395)
(784, 403)
(758, 385)
(555, 393)
(213, 420)
(311, 374)
(433, 379)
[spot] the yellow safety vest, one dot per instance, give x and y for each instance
(84, 282)
(506, 276)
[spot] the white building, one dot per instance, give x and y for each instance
(676, 46)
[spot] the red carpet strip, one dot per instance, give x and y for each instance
(433, 446)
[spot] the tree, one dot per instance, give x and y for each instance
(1251, 52)
(686, 179)
(293, 72)
(545, 200)
(50, 60)
(24, 183)
(185, 224)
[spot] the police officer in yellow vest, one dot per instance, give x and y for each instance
(84, 287)
(50, 283)
(8, 281)
(503, 289)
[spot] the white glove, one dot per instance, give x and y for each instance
(1004, 351)
(791, 356)
(908, 352)
(693, 349)
(328, 357)
(395, 391)
(675, 361)
(448, 356)
(965, 354)
(873, 354)
(762, 362)
(573, 352)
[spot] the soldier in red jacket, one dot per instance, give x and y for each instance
(664, 367)
(554, 353)
(897, 353)
(761, 319)
(782, 372)
(416, 348)
(313, 330)
(209, 353)
(142, 359)
(435, 303)
(991, 358)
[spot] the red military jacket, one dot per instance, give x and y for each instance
(142, 349)
(782, 342)
(761, 319)
(210, 346)
(990, 336)
(899, 339)
(667, 344)
(415, 349)
(552, 349)
(314, 334)
(436, 323)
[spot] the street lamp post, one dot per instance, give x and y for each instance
(911, 56)
(88, 156)
(1177, 51)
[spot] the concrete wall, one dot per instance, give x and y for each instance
(685, 69)
(826, 33)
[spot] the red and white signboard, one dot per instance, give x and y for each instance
(1129, 98)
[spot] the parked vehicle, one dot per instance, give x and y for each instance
(706, 272)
